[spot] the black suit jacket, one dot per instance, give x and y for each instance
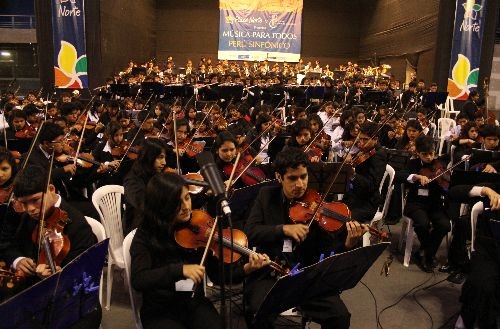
(77, 230)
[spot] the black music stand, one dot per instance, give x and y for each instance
(330, 276)
(60, 300)
(483, 156)
(120, 89)
(244, 197)
(22, 145)
(433, 99)
(228, 92)
(322, 173)
(139, 70)
(315, 92)
(376, 96)
(495, 230)
(462, 177)
(397, 159)
(156, 88)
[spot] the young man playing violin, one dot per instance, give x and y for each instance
(21, 254)
(424, 204)
(363, 196)
(270, 231)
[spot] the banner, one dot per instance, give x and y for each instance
(70, 57)
(466, 48)
(260, 29)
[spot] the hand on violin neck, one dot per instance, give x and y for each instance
(194, 272)
(489, 169)
(256, 262)
(355, 231)
(298, 232)
(43, 270)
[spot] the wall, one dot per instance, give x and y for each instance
(396, 30)
(127, 32)
(190, 29)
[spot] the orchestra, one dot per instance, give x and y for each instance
(263, 123)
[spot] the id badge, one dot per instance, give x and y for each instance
(423, 192)
(184, 285)
(287, 245)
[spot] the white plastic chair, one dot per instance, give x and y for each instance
(135, 297)
(107, 201)
(449, 108)
(100, 234)
(476, 210)
(380, 214)
(444, 125)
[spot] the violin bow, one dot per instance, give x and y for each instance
(136, 133)
(176, 145)
(451, 168)
(168, 117)
(319, 132)
(260, 135)
(41, 224)
(201, 123)
(77, 153)
(253, 160)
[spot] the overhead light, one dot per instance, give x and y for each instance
(5, 53)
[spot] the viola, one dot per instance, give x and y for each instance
(250, 176)
(195, 235)
(56, 244)
(331, 216)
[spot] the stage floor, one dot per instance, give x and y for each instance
(440, 300)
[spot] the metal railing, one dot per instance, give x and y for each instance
(17, 21)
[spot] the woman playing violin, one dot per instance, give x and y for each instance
(345, 145)
(407, 142)
(187, 153)
(103, 153)
(301, 137)
(425, 204)
(323, 141)
(160, 267)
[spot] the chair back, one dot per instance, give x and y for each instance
(135, 296)
(108, 202)
(97, 228)
(389, 177)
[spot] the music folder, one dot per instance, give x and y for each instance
(60, 300)
(330, 276)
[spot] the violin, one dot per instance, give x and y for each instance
(362, 157)
(250, 176)
(27, 132)
(437, 172)
(119, 150)
(191, 149)
(331, 216)
(55, 243)
(196, 233)
(10, 281)
(313, 151)
(84, 160)
(6, 196)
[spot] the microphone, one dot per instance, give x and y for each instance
(196, 182)
(211, 173)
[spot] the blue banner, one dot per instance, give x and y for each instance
(466, 48)
(260, 29)
(70, 55)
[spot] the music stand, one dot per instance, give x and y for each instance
(156, 88)
(60, 300)
(313, 75)
(436, 98)
(120, 89)
(139, 70)
(495, 230)
(330, 276)
(462, 177)
(483, 156)
(228, 92)
(397, 159)
(376, 96)
(322, 173)
(243, 197)
(315, 92)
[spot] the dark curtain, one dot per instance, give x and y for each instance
(93, 42)
(488, 45)
(397, 27)
(444, 42)
(45, 44)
